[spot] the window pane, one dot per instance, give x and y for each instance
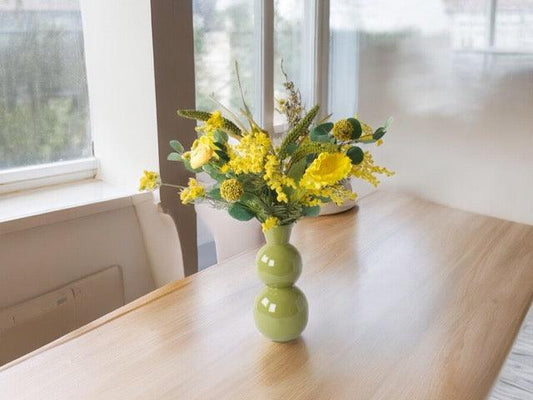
(469, 23)
(514, 25)
(43, 85)
(343, 59)
(223, 34)
(288, 46)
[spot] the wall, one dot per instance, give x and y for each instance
(120, 75)
(36, 260)
(463, 122)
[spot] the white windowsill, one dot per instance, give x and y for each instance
(32, 208)
(35, 176)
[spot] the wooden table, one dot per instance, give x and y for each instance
(408, 300)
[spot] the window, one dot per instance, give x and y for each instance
(44, 113)
(491, 25)
(224, 33)
(258, 34)
(289, 35)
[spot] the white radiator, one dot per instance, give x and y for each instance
(33, 323)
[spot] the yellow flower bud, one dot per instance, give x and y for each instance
(231, 190)
(200, 154)
(343, 130)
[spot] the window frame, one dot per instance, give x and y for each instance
(53, 173)
(39, 175)
(315, 82)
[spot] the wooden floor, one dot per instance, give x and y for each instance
(516, 378)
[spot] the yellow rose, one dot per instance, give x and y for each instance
(201, 153)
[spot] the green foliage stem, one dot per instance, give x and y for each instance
(297, 131)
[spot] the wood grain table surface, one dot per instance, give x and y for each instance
(408, 300)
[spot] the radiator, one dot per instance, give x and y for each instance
(33, 323)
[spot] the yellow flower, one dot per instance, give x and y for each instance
(343, 130)
(231, 190)
(248, 156)
(149, 181)
(191, 192)
(201, 152)
(269, 223)
(366, 170)
(338, 194)
(216, 121)
(327, 169)
(275, 180)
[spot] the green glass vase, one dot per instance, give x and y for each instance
(280, 309)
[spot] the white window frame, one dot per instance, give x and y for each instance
(34, 176)
(39, 175)
(315, 59)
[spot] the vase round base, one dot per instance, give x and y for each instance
(281, 313)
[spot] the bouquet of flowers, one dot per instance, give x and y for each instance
(275, 181)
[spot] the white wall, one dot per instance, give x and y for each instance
(36, 260)
(120, 75)
(463, 123)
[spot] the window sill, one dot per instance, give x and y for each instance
(35, 176)
(32, 208)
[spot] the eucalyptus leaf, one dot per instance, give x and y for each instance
(214, 194)
(311, 211)
(388, 123)
(326, 126)
(357, 129)
(379, 133)
(319, 134)
(220, 145)
(176, 145)
(174, 157)
(355, 154)
(240, 212)
(223, 155)
(297, 169)
(220, 136)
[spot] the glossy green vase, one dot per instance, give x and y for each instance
(280, 309)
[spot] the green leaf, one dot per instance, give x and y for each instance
(367, 139)
(291, 148)
(187, 164)
(356, 154)
(214, 194)
(319, 134)
(297, 169)
(311, 211)
(388, 123)
(174, 157)
(326, 126)
(222, 155)
(213, 172)
(357, 129)
(240, 212)
(220, 145)
(220, 136)
(176, 145)
(379, 133)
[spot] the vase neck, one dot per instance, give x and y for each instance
(279, 234)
